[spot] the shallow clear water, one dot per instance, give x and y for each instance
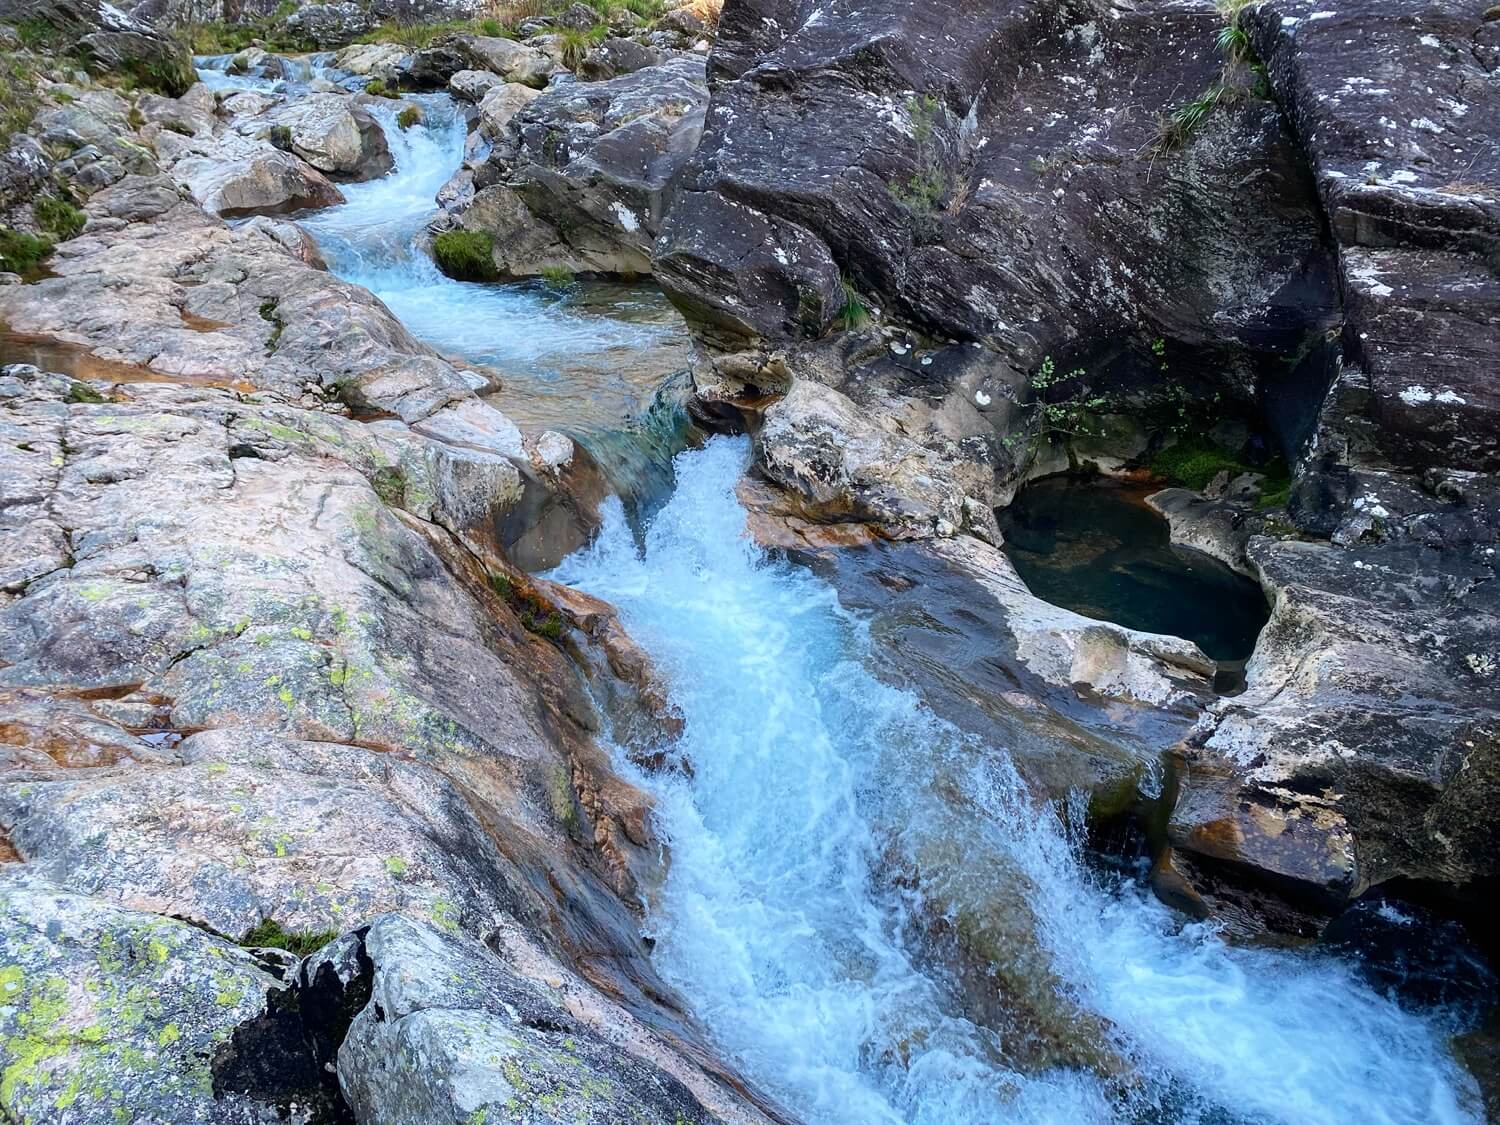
(778, 922)
(1093, 546)
(583, 359)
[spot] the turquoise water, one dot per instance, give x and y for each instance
(813, 780)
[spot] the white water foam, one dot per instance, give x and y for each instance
(773, 923)
(377, 239)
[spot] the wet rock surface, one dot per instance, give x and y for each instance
(580, 178)
(926, 265)
(338, 661)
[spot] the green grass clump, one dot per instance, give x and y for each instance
(576, 44)
(377, 88)
(468, 255)
(21, 252)
(854, 314)
(58, 217)
(270, 934)
(557, 277)
(18, 100)
(411, 115)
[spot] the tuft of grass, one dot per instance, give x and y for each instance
(854, 314)
(411, 115)
(21, 252)
(377, 88)
(557, 277)
(270, 934)
(576, 44)
(58, 217)
(468, 255)
(18, 99)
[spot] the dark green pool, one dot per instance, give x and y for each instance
(1094, 547)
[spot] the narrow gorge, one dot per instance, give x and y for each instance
(849, 561)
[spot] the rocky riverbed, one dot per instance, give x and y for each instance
(505, 602)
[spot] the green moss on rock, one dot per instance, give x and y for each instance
(468, 255)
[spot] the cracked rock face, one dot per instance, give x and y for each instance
(106, 1011)
(1397, 106)
(581, 176)
(453, 1034)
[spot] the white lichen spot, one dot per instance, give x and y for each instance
(980, 397)
(625, 217)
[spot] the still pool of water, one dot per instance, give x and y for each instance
(1093, 546)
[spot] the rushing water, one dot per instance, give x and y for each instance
(812, 780)
(777, 924)
(585, 358)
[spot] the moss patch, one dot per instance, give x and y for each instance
(468, 255)
(1193, 462)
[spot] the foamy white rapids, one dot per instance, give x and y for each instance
(775, 925)
(377, 239)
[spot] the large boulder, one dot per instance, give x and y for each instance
(1396, 105)
(109, 40)
(109, 1014)
(333, 133)
(232, 176)
(451, 1033)
(581, 177)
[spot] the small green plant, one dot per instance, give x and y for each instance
(1063, 411)
(83, 393)
(534, 614)
(38, 34)
(411, 115)
(468, 255)
(377, 88)
(270, 934)
(21, 252)
(1178, 128)
(1159, 350)
(854, 314)
(557, 277)
(925, 191)
(1233, 41)
(58, 217)
(576, 44)
(269, 314)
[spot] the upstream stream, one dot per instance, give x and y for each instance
(813, 781)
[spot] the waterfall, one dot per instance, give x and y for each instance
(777, 924)
(586, 360)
